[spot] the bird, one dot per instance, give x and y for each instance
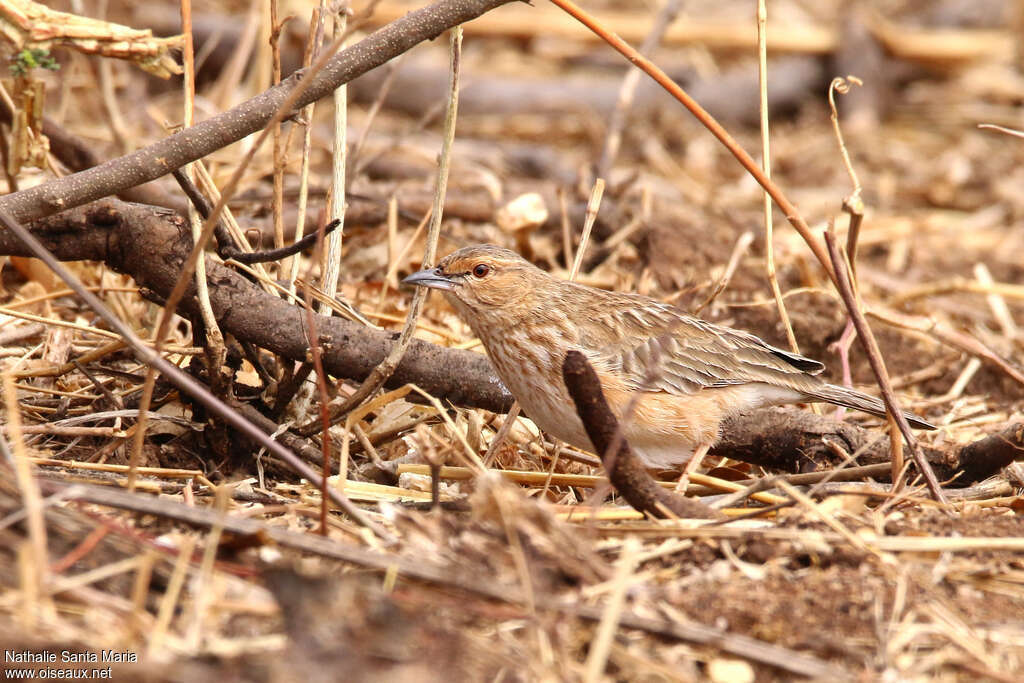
(671, 378)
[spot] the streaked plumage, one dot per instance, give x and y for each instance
(687, 374)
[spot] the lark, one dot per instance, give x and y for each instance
(673, 378)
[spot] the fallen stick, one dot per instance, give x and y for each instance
(625, 470)
(790, 440)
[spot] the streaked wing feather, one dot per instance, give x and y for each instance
(682, 355)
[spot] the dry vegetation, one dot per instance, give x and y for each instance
(198, 552)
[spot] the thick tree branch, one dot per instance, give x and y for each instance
(795, 440)
(252, 115)
(150, 244)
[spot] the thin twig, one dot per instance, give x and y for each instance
(226, 246)
(766, 164)
(186, 383)
(870, 347)
(853, 205)
(316, 31)
(386, 367)
(200, 241)
(788, 208)
(462, 377)
(593, 205)
(331, 268)
(214, 339)
(249, 117)
(216, 352)
(284, 252)
(627, 91)
(313, 336)
(738, 250)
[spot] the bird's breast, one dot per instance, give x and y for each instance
(531, 368)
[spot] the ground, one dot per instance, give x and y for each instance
(549, 576)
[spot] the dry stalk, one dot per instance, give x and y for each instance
(151, 357)
(593, 205)
(825, 516)
(313, 338)
(25, 477)
(200, 240)
(870, 346)
(331, 267)
(169, 602)
(996, 303)
(277, 202)
(711, 484)
(386, 368)
(597, 659)
(470, 456)
(229, 81)
(354, 167)
(501, 435)
(313, 41)
(853, 205)
(214, 340)
(947, 335)
(202, 583)
(766, 165)
(627, 91)
(661, 78)
(738, 250)
(246, 118)
(215, 350)
(108, 96)
(1002, 129)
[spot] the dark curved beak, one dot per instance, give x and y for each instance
(432, 278)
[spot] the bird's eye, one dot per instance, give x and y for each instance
(481, 270)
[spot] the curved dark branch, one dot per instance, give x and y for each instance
(625, 470)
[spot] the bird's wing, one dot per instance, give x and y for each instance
(680, 354)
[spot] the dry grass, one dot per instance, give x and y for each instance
(539, 573)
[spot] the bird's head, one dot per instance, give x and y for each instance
(482, 280)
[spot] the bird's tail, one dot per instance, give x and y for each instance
(842, 396)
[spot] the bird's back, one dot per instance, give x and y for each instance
(657, 347)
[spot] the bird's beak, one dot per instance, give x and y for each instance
(432, 278)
